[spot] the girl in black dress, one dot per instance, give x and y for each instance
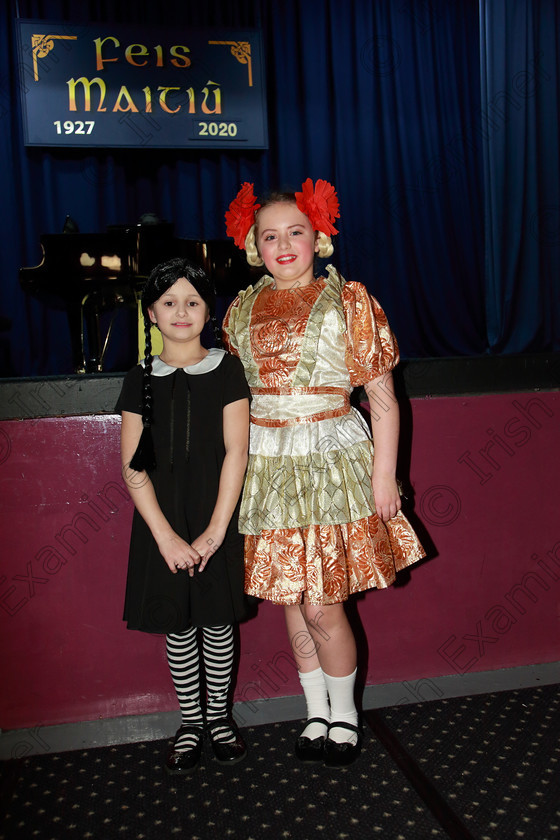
(184, 438)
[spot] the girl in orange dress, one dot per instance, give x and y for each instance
(321, 516)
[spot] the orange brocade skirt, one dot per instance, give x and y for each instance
(328, 562)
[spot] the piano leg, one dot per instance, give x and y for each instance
(111, 299)
(91, 306)
(75, 326)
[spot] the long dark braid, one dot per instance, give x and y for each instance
(160, 280)
(144, 458)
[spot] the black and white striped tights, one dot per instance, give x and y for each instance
(184, 663)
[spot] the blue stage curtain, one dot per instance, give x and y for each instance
(381, 98)
(520, 121)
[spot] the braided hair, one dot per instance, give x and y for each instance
(160, 280)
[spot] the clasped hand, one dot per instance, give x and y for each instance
(178, 554)
(207, 544)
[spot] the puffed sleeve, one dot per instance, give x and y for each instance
(228, 335)
(371, 347)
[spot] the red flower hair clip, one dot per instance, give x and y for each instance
(320, 205)
(241, 214)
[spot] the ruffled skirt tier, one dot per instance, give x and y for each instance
(328, 562)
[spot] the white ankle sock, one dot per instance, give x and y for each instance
(341, 695)
(316, 698)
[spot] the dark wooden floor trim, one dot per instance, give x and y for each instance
(429, 794)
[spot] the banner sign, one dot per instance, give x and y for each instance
(124, 86)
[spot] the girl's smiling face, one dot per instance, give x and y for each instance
(180, 312)
(287, 244)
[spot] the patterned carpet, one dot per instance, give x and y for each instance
(496, 757)
(483, 767)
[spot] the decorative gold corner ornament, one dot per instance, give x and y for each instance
(41, 45)
(241, 50)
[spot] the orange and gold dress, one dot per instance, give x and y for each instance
(307, 509)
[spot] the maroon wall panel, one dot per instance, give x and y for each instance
(484, 481)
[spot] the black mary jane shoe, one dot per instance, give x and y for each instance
(310, 750)
(341, 755)
(227, 752)
(183, 762)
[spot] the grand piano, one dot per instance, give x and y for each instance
(88, 274)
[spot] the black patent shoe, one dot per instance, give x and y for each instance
(310, 750)
(227, 752)
(183, 762)
(341, 755)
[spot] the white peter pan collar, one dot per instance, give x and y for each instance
(208, 363)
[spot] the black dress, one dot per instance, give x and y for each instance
(189, 447)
